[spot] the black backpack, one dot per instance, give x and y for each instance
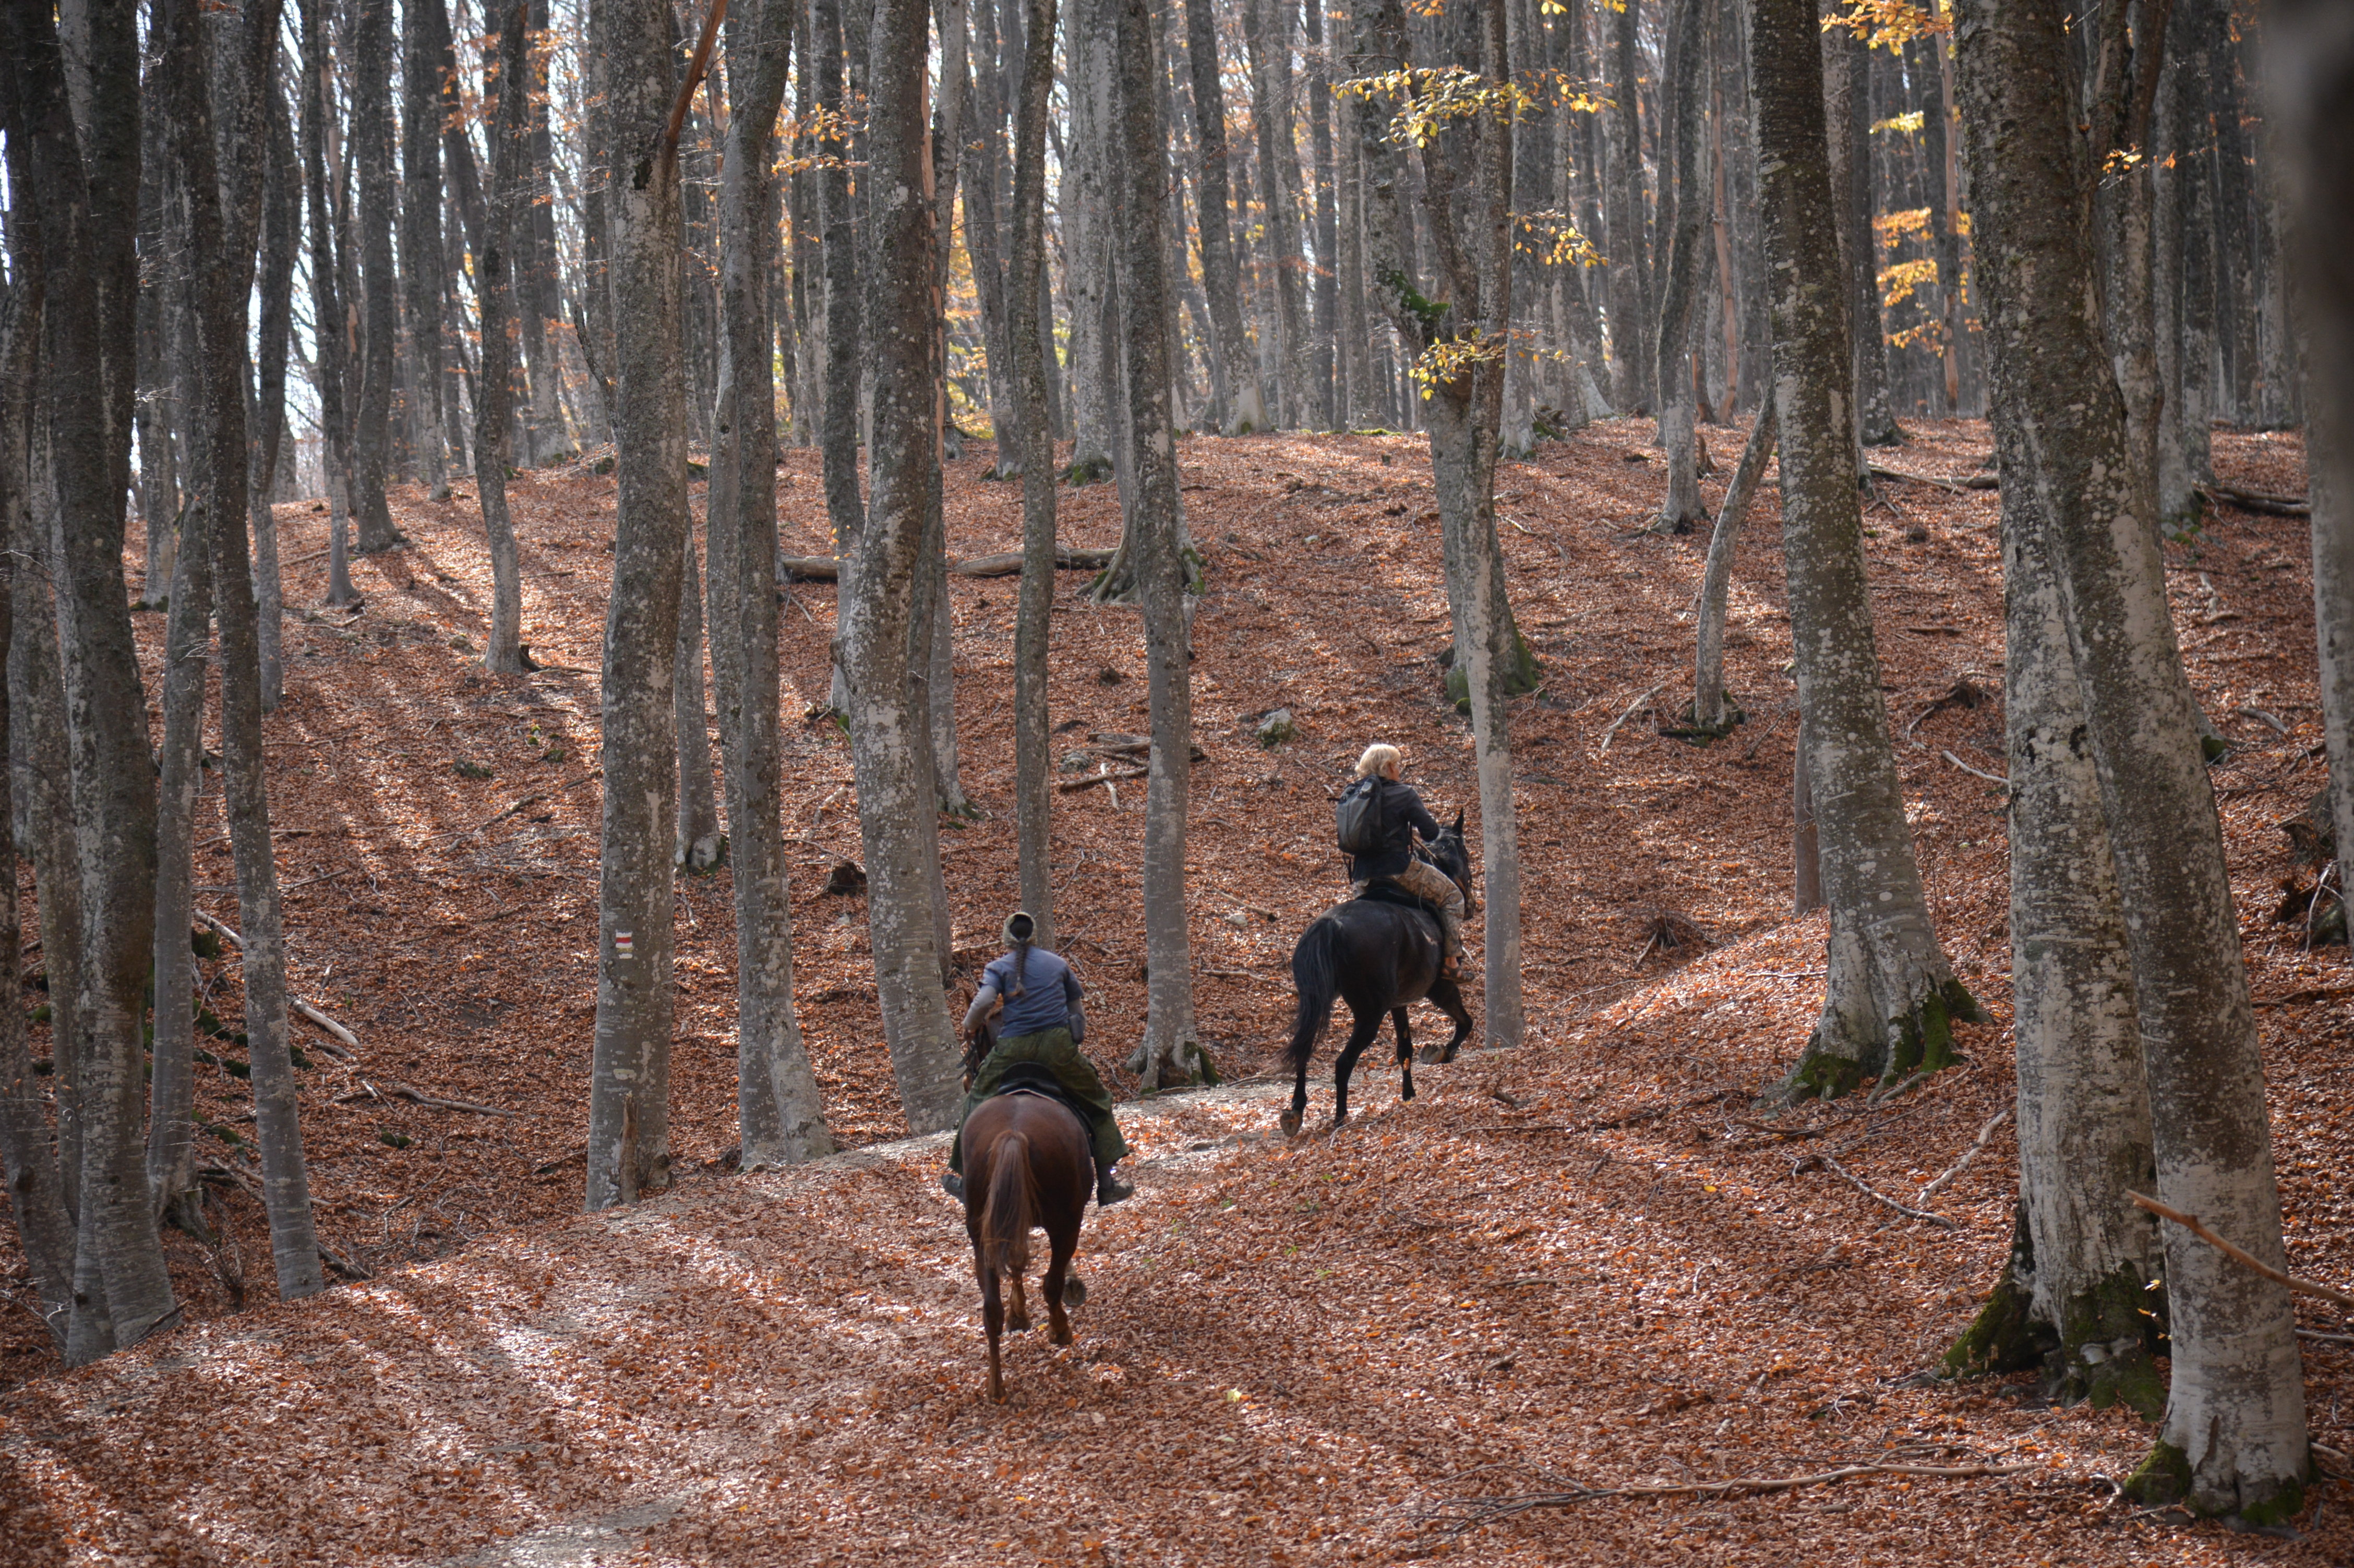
(1359, 818)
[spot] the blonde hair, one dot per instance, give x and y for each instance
(1379, 758)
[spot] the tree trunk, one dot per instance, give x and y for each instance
(1466, 194)
(187, 650)
(281, 243)
(2188, 280)
(1326, 292)
(372, 155)
(780, 1112)
(330, 373)
(1268, 39)
(896, 809)
(838, 441)
(1634, 366)
(1087, 248)
(699, 844)
(1034, 792)
(1890, 998)
(1717, 579)
(1171, 1051)
(1220, 273)
(2234, 1438)
(29, 1156)
(221, 280)
(503, 653)
(422, 265)
(2076, 1293)
(122, 1291)
(1847, 92)
(629, 1112)
(1687, 70)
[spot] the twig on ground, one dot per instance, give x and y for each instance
(419, 1096)
(1459, 1515)
(349, 1046)
(2325, 1339)
(1782, 1131)
(2198, 1227)
(1989, 777)
(1841, 1171)
(2278, 727)
(1622, 718)
(1969, 1154)
(1105, 778)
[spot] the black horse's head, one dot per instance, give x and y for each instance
(1450, 854)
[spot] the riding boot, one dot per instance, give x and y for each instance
(1450, 944)
(952, 1184)
(1110, 1189)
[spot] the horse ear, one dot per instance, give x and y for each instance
(1458, 820)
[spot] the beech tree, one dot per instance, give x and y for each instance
(2234, 1435)
(121, 1291)
(780, 1113)
(897, 808)
(1459, 337)
(494, 288)
(1890, 998)
(1033, 787)
(629, 1108)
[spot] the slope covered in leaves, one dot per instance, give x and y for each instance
(1588, 1262)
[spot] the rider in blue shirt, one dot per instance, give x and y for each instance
(1043, 1023)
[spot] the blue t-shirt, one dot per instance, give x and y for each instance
(1049, 990)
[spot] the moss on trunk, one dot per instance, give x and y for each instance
(2005, 1336)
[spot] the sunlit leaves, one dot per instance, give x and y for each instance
(1554, 240)
(1890, 24)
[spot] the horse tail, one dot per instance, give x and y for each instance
(1314, 975)
(1010, 1208)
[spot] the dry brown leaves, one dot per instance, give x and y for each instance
(1592, 1263)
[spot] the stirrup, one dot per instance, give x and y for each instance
(952, 1184)
(1110, 1189)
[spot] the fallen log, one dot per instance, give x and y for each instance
(826, 569)
(1975, 481)
(2258, 501)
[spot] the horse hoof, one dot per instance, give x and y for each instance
(1406, 1092)
(1290, 1124)
(1075, 1291)
(1430, 1054)
(1018, 1324)
(1338, 1123)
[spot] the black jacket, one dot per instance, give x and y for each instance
(1401, 815)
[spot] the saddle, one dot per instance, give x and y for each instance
(1382, 890)
(1035, 1079)
(1032, 1078)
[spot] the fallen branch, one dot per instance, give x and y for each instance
(1470, 1513)
(1622, 718)
(1969, 1154)
(419, 1096)
(2197, 1227)
(2278, 727)
(349, 1047)
(826, 569)
(223, 930)
(2258, 501)
(1959, 486)
(1094, 779)
(1980, 772)
(1836, 1169)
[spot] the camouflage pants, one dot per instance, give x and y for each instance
(1424, 880)
(1053, 1050)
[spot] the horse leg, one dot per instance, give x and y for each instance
(1299, 1111)
(1448, 997)
(1058, 1282)
(1367, 1026)
(992, 1318)
(1405, 1031)
(1017, 1311)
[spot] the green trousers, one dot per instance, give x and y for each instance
(1053, 1050)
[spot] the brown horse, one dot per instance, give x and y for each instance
(1026, 1166)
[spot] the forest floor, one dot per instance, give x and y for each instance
(1589, 1262)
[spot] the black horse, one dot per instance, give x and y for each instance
(1381, 955)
